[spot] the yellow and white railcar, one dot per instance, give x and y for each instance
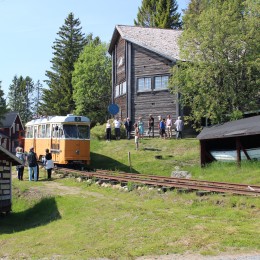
(67, 138)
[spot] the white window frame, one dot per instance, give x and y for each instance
(144, 84)
(120, 89)
(163, 81)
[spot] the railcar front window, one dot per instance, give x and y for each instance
(70, 131)
(83, 131)
(74, 131)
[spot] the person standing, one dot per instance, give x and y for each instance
(128, 127)
(49, 165)
(140, 125)
(179, 127)
(108, 131)
(151, 125)
(32, 164)
(169, 126)
(162, 128)
(117, 125)
(136, 136)
(20, 168)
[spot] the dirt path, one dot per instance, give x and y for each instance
(52, 188)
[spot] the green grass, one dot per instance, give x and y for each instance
(109, 223)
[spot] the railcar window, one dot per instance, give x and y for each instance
(83, 131)
(29, 132)
(48, 131)
(56, 131)
(35, 132)
(70, 131)
(39, 131)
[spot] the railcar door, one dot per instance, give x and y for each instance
(56, 135)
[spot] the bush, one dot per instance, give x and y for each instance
(99, 132)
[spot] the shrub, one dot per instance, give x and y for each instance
(99, 132)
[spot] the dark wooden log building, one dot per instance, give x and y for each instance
(142, 59)
(11, 131)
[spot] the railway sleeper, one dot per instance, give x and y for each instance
(201, 193)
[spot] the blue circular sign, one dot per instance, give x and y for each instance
(113, 109)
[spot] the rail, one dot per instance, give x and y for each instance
(168, 182)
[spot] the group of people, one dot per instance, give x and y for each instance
(31, 160)
(165, 127)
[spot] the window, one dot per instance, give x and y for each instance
(117, 91)
(144, 84)
(29, 132)
(120, 89)
(161, 82)
(48, 131)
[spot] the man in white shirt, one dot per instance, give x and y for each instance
(117, 125)
(179, 127)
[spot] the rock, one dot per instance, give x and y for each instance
(181, 174)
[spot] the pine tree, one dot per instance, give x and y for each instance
(3, 108)
(146, 13)
(20, 97)
(38, 89)
(57, 99)
(166, 15)
(159, 14)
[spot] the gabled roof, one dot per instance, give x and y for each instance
(161, 41)
(9, 119)
(242, 127)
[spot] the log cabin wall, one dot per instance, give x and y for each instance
(120, 61)
(5, 185)
(156, 102)
(119, 82)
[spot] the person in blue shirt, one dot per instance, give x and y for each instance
(162, 128)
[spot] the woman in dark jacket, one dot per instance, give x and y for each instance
(49, 165)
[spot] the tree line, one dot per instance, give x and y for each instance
(217, 77)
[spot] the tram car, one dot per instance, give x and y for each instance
(66, 137)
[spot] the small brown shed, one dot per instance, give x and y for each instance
(231, 141)
(7, 160)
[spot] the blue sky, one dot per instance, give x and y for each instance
(28, 29)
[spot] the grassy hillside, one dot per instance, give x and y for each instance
(175, 154)
(65, 219)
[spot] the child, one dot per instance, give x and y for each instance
(162, 128)
(136, 136)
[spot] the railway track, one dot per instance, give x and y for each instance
(168, 182)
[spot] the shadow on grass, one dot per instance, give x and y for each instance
(40, 214)
(99, 161)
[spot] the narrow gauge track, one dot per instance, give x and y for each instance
(168, 182)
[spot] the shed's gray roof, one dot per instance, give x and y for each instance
(242, 127)
(6, 155)
(3, 135)
(161, 41)
(9, 119)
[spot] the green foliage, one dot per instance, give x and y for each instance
(112, 224)
(221, 46)
(3, 108)
(160, 14)
(92, 82)
(57, 99)
(98, 132)
(20, 97)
